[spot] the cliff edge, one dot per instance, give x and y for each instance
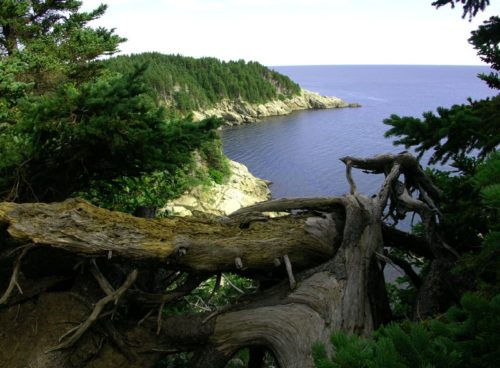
(236, 112)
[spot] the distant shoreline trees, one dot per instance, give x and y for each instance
(188, 84)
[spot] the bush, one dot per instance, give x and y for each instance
(467, 336)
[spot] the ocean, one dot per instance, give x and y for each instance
(300, 152)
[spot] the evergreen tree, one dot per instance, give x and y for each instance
(463, 136)
(66, 121)
(466, 136)
(189, 84)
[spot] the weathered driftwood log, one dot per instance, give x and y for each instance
(189, 243)
(317, 266)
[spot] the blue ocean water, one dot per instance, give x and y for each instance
(300, 153)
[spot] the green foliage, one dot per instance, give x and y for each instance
(485, 40)
(232, 287)
(53, 40)
(467, 336)
(402, 292)
(191, 84)
(465, 136)
(127, 193)
(452, 133)
(68, 125)
(218, 165)
(100, 130)
(484, 264)
(464, 215)
(471, 7)
(153, 190)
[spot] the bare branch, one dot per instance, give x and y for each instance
(216, 286)
(15, 274)
(289, 204)
(82, 328)
(232, 284)
(383, 195)
(407, 269)
(289, 271)
(401, 240)
(348, 174)
(101, 280)
(409, 166)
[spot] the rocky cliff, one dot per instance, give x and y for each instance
(236, 112)
(241, 189)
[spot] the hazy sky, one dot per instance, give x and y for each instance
(297, 32)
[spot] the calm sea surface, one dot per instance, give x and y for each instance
(300, 153)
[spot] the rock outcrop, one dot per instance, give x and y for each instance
(236, 112)
(242, 189)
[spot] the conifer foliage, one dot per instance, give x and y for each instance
(189, 84)
(66, 121)
(466, 336)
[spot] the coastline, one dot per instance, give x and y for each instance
(242, 188)
(236, 112)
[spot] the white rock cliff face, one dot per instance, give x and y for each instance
(241, 189)
(236, 112)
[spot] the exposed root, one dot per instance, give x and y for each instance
(15, 274)
(82, 328)
(159, 318)
(101, 280)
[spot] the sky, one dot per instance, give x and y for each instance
(297, 32)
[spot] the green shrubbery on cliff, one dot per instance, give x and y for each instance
(70, 126)
(109, 130)
(190, 84)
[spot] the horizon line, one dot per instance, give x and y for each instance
(374, 64)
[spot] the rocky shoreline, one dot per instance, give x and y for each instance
(236, 112)
(242, 189)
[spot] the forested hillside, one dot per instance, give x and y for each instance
(70, 127)
(188, 83)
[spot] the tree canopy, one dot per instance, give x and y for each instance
(66, 121)
(187, 84)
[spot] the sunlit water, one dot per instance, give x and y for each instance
(300, 153)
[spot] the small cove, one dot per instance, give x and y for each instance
(300, 152)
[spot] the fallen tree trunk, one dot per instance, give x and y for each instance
(195, 244)
(106, 272)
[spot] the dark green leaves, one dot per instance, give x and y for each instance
(451, 133)
(191, 84)
(466, 337)
(485, 40)
(471, 7)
